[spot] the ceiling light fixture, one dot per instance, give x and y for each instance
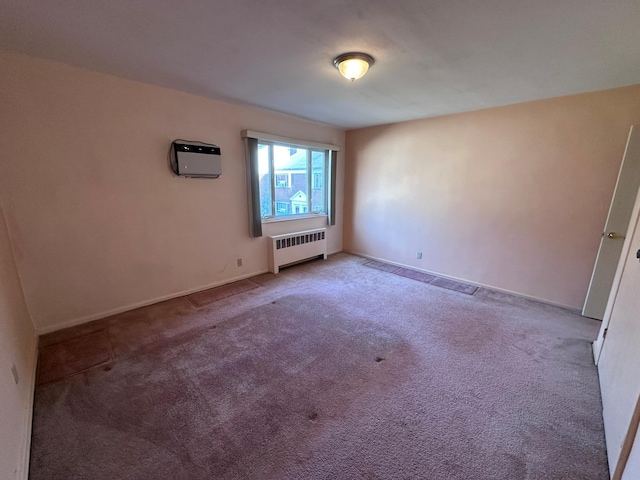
(353, 65)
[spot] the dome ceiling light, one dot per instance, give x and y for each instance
(353, 65)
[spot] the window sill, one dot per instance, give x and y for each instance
(294, 217)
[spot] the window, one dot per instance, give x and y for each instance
(288, 178)
(292, 179)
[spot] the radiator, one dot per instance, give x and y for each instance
(295, 247)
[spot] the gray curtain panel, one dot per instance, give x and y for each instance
(253, 179)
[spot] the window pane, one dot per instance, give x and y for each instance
(319, 182)
(292, 181)
(265, 181)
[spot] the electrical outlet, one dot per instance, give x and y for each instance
(239, 262)
(14, 370)
(419, 255)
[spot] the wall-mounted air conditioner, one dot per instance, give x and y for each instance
(195, 159)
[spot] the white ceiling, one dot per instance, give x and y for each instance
(433, 57)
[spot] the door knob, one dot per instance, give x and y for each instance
(614, 235)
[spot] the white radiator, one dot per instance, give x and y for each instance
(295, 247)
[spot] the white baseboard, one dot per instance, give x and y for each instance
(115, 311)
(470, 282)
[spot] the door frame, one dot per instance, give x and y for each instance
(599, 342)
(624, 193)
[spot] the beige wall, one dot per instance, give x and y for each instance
(17, 347)
(99, 222)
(512, 197)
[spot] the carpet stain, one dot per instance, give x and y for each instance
(385, 267)
(73, 356)
(379, 359)
(415, 275)
(206, 297)
(423, 277)
(455, 286)
(472, 335)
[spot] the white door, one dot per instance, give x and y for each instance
(617, 223)
(619, 364)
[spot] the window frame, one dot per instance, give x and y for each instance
(250, 139)
(309, 212)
